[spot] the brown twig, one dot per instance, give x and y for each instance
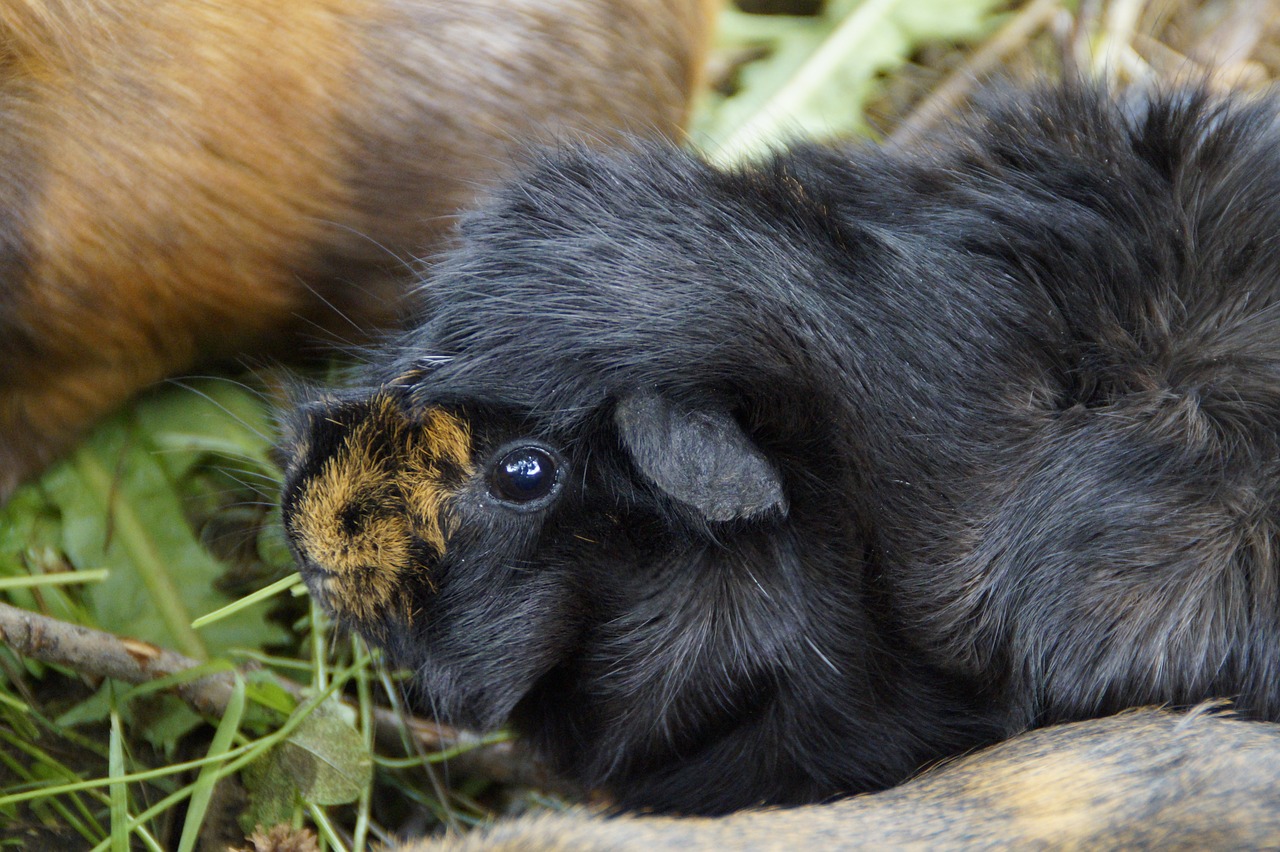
(956, 87)
(98, 654)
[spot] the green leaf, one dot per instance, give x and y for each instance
(323, 762)
(30, 546)
(95, 708)
(210, 416)
(121, 511)
(327, 757)
(265, 691)
(161, 720)
(820, 72)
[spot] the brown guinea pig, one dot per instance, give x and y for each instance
(1142, 780)
(188, 179)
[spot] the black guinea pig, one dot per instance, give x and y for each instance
(766, 485)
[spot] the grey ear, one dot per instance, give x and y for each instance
(700, 457)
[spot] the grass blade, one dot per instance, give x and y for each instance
(248, 600)
(221, 745)
(118, 789)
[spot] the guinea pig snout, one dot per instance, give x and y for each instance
(368, 504)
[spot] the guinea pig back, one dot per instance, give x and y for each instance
(773, 484)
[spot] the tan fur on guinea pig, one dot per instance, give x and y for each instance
(183, 180)
(1140, 780)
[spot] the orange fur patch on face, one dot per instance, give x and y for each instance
(444, 443)
(364, 517)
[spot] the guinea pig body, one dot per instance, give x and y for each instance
(1140, 780)
(186, 180)
(771, 485)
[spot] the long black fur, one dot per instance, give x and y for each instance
(1021, 390)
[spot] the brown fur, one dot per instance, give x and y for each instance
(1141, 780)
(399, 475)
(182, 180)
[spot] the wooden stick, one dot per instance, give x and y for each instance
(98, 654)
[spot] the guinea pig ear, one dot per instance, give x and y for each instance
(700, 457)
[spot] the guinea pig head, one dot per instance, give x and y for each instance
(489, 556)
(611, 490)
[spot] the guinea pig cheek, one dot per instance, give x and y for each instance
(375, 519)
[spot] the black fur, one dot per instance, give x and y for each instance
(1021, 393)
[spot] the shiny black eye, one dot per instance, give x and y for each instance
(523, 475)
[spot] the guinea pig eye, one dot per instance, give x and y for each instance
(523, 475)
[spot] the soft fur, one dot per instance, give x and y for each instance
(864, 457)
